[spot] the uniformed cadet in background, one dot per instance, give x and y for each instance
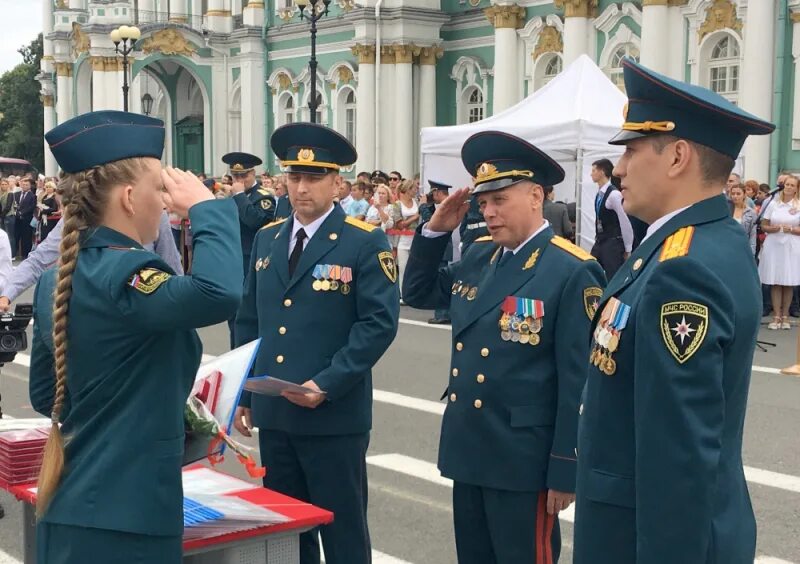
(660, 477)
(521, 301)
(115, 351)
(255, 204)
(321, 291)
(438, 193)
(472, 227)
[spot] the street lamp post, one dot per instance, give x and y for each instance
(128, 36)
(314, 16)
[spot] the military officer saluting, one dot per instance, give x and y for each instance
(521, 301)
(256, 205)
(660, 476)
(321, 292)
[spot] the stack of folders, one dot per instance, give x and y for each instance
(21, 455)
(206, 516)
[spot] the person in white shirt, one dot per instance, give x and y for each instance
(5, 258)
(613, 231)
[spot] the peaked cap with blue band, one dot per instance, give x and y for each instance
(660, 105)
(439, 186)
(241, 163)
(99, 138)
(311, 148)
(497, 160)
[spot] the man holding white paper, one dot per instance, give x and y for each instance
(321, 292)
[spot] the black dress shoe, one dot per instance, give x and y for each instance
(435, 321)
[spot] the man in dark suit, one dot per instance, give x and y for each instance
(321, 292)
(26, 205)
(556, 213)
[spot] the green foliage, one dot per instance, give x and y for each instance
(22, 122)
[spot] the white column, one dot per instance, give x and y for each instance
(147, 11)
(386, 110)
(252, 92)
(197, 13)
(218, 144)
(77, 4)
(676, 54)
(365, 107)
(576, 38)
(47, 28)
(506, 20)
(796, 58)
(657, 35)
(403, 111)
(99, 86)
(50, 164)
(178, 9)
(427, 86)
(64, 91)
(218, 17)
(253, 14)
(758, 63)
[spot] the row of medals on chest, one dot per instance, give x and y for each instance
(606, 342)
(332, 278)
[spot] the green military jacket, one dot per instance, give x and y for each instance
(512, 402)
(256, 209)
(132, 358)
(660, 477)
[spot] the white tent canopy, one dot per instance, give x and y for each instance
(571, 119)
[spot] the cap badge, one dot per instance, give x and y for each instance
(305, 156)
(485, 170)
(237, 166)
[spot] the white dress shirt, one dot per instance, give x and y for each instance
(657, 224)
(430, 234)
(310, 229)
(614, 203)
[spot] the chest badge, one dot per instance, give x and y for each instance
(683, 327)
(521, 320)
(607, 333)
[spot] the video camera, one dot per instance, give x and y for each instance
(13, 338)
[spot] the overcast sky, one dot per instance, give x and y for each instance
(23, 24)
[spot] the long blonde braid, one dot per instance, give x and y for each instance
(84, 197)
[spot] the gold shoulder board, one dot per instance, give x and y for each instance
(677, 244)
(277, 222)
(148, 280)
(571, 248)
(483, 239)
(360, 224)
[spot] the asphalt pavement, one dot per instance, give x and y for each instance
(410, 503)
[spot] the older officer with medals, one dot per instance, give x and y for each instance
(521, 300)
(321, 292)
(660, 477)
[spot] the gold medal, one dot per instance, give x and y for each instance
(334, 285)
(613, 342)
(472, 293)
(505, 335)
(515, 336)
(610, 367)
(453, 289)
(524, 327)
(536, 325)
(592, 355)
(317, 285)
(524, 338)
(534, 339)
(326, 285)
(464, 290)
(515, 325)
(345, 288)
(259, 262)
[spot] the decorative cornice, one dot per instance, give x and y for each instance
(47, 100)
(550, 41)
(404, 54)
(795, 17)
(387, 55)
(577, 8)
(63, 69)
(365, 53)
(611, 16)
(429, 55)
(720, 15)
(646, 3)
(106, 64)
(678, 3)
(219, 13)
(505, 16)
(81, 43)
(168, 41)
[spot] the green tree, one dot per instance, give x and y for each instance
(22, 122)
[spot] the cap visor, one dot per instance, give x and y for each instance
(498, 184)
(299, 169)
(624, 136)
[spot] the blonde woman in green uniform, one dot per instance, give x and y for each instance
(122, 353)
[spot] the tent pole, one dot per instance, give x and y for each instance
(578, 196)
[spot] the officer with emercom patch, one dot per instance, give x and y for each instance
(521, 300)
(660, 477)
(321, 291)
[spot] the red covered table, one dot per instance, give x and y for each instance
(271, 544)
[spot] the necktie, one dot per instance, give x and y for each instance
(294, 258)
(507, 256)
(597, 200)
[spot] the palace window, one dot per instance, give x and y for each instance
(350, 117)
(553, 67)
(723, 68)
(615, 70)
(474, 105)
(288, 110)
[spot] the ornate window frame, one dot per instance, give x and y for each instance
(469, 72)
(530, 36)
